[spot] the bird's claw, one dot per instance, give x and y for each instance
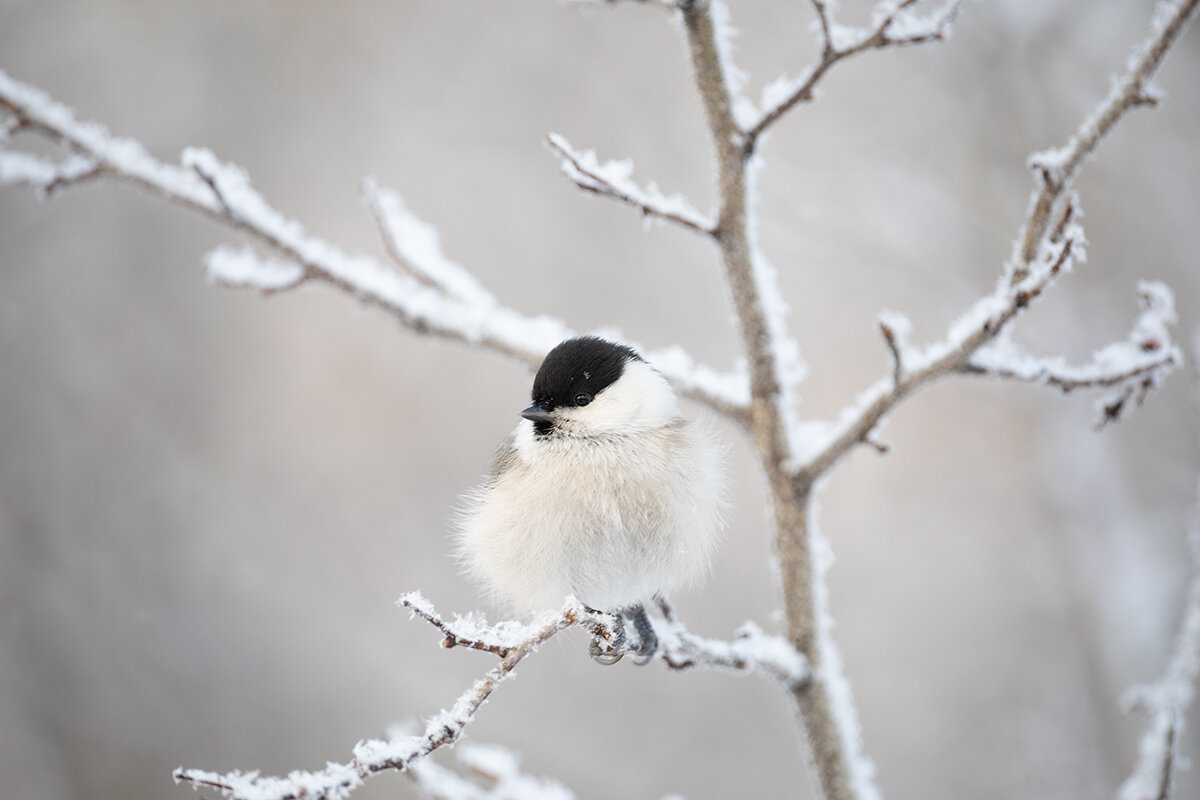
(601, 657)
(647, 640)
(608, 653)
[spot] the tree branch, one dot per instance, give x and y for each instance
(23, 169)
(824, 714)
(415, 247)
(752, 651)
(400, 753)
(1056, 169)
(499, 770)
(1168, 699)
(1140, 363)
(1054, 248)
(611, 179)
(222, 192)
(893, 26)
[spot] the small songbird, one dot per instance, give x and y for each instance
(604, 491)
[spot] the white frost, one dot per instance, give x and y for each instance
(614, 178)
(417, 244)
(1171, 696)
(243, 268)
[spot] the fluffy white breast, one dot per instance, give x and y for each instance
(633, 509)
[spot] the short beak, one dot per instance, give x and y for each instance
(536, 413)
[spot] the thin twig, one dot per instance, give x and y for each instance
(1168, 699)
(875, 38)
(751, 652)
(583, 170)
(1056, 169)
(376, 756)
(988, 318)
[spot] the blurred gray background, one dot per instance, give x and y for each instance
(210, 501)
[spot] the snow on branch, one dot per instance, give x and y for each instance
(1168, 699)
(499, 775)
(612, 179)
(1049, 241)
(23, 169)
(1135, 366)
(751, 651)
(1057, 168)
(894, 23)
(415, 246)
(473, 631)
(398, 753)
(444, 301)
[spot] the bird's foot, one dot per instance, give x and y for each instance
(647, 644)
(608, 649)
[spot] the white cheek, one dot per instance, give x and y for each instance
(640, 399)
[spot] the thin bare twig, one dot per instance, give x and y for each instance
(1056, 169)
(611, 180)
(879, 36)
(499, 773)
(1168, 699)
(751, 652)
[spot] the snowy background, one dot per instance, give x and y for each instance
(209, 502)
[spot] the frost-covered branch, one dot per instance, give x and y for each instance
(1057, 168)
(894, 24)
(1134, 366)
(401, 752)
(1058, 241)
(416, 247)
(498, 775)
(1168, 699)
(44, 175)
(824, 713)
(612, 179)
(751, 651)
(445, 302)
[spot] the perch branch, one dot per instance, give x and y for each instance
(399, 753)
(752, 651)
(222, 192)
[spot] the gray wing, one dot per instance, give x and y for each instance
(503, 459)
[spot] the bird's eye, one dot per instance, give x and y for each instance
(582, 399)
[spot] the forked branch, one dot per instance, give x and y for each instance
(752, 653)
(442, 302)
(1048, 241)
(894, 25)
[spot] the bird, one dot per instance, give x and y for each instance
(604, 492)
